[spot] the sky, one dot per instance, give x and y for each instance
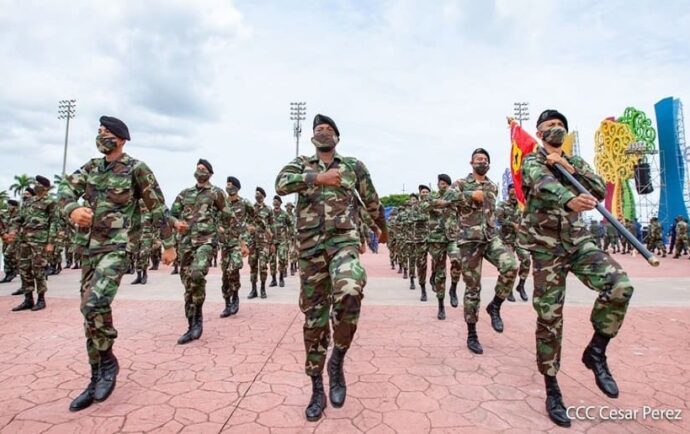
(414, 86)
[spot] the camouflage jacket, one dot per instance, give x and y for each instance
(443, 221)
(327, 216)
(405, 225)
(113, 189)
(682, 230)
(594, 229)
(655, 231)
(419, 224)
(282, 226)
(202, 208)
(37, 222)
(7, 217)
(476, 220)
(508, 215)
(547, 225)
(236, 230)
(611, 231)
(262, 223)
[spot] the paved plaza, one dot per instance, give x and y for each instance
(406, 371)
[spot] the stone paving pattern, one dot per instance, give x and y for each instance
(406, 371)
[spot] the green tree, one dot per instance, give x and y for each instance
(394, 199)
(22, 182)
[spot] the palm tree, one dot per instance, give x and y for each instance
(22, 182)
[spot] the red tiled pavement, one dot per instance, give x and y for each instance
(406, 371)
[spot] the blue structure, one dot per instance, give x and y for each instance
(669, 127)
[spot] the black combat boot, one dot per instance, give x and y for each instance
(263, 289)
(336, 378)
(392, 265)
(40, 303)
(107, 376)
(226, 312)
(19, 291)
(494, 311)
(154, 264)
(144, 277)
(404, 276)
(85, 398)
(187, 336)
(317, 403)
(594, 358)
(473, 340)
(175, 270)
(399, 269)
(27, 304)
(554, 403)
(521, 289)
(281, 280)
(68, 262)
(441, 310)
(453, 292)
(197, 324)
(252, 293)
(423, 297)
(235, 304)
(412, 283)
(138, 279)
(58, 270)
(510, 296)
(273, 281)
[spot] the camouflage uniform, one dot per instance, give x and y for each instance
(560, 244)
(681, 237)
(611, 238)
(595, 231)
(9, 250)
(293, 255)
(259, 243)
(36, 227)
(477, 240)
(232, 261)
(55, 261)
(111, 190)
(393, 236)
(508, 215)
(332, 277)
(655, 239)
(201, 207)
(282, 228)
(143, 251)
(404, 234)
(418, 237)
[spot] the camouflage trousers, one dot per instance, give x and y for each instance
(523, 257)
(259, 253)
(439, 253)
(472, 255)
(404, 253)
(194, 264)
(9, 252)
(55, 258)
(613, 242)
(332, 284)
(279, 257)
(596, 270)
(156, 252)
(231, 264)
(418, 260)
(455, 269)
(100, 278)
(681, 245)
(143, 256)
(656, 243)
(32, 267)
(391, 251)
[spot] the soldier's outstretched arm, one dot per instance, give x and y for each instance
(368, 194)
(292, 179)
(148, 189)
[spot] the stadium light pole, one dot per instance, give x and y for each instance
(521, 111)
(297, 112)
(66, 110)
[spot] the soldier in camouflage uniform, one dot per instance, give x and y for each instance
(55, 260)
(332, 277)
(442, 239)
(36, 227)
(655, 240)
(403, 233)
(282, 228)
(508, 215)
(142, 251)
(260, 243)
(9, 249)
(290, 209)
(234, 240)
(155, 252)
(420, 235)
(611, 238)
(627, 247)
(560, 243)
(392, 237)
(478, 240)
(681, 236)
(595, 230)
(408, 227)
(112, 187)
(196, 213)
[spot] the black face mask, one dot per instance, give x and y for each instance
(232, 191)
(481, 168)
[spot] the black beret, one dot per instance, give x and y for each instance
(322, 119)
(115, 126)
(43, 181)
(481, 151)
(547, 115)
(423, 187)
(414, 195)
(206, 164)
(261, 190)
(289, 205)
(13, 202)
(276, 197)
(234, 181)
(444, 177)
(30, 191)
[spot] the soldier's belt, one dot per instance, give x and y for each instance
(105, 249)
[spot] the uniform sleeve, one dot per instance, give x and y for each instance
(71, 189)
(176, 208)
(368, 194)
(541, 182)
(292, 179)
(588, 178)
(149, 190)
(54, 222)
